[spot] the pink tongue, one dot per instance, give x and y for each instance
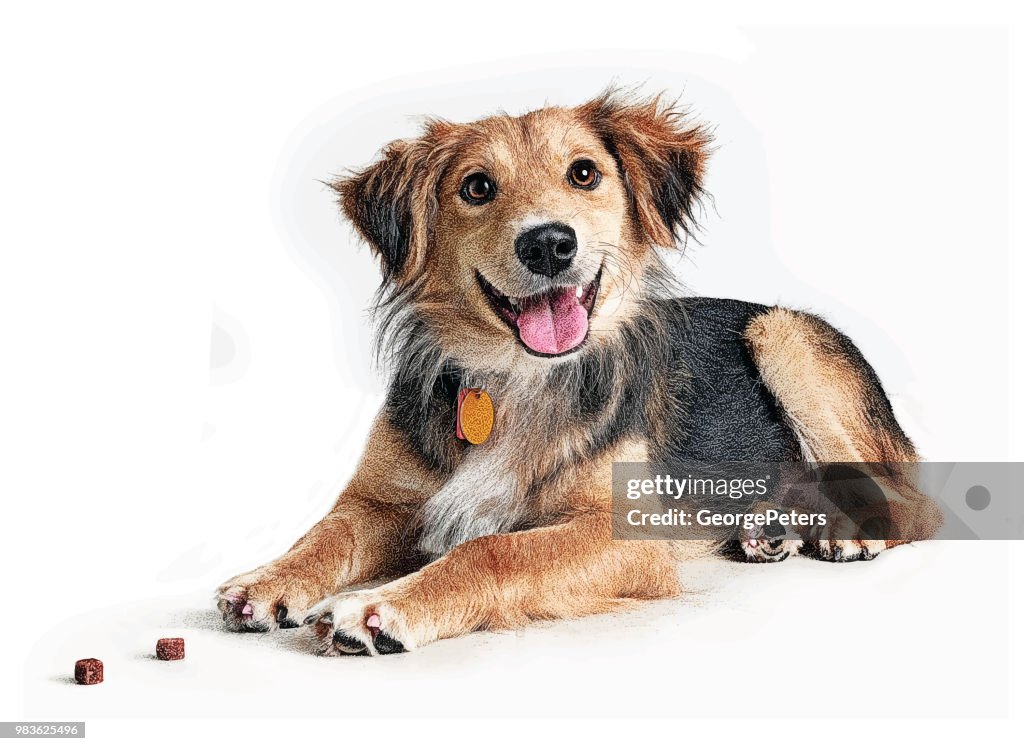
(553, 323)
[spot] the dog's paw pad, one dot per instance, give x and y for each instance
(283, 621)
(348, 644)
(769, 544)
(354, 624)
(386, 644)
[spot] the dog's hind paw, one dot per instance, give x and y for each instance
(768, 544)
(844, 551)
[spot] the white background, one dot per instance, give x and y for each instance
(186, 378)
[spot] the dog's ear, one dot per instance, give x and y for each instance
(660, 157)
(391, 203)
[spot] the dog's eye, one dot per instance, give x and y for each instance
(478, 189)
(583, 174)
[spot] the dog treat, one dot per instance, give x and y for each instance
(475, 415)
(170, 649)
(88, 671)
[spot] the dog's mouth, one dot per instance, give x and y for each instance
(551, 324)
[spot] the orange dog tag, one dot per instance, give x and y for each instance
(474, 416)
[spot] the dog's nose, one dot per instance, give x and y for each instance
(547, 249)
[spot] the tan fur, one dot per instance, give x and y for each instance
(821, 387)
(824, 394)
(568, 568)
(361, 538)
(528, 158)
(555, 487)
(648, 136)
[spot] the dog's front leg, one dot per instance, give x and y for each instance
(363, 537)
(499, 581)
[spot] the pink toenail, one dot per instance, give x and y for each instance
(247, 610)
(373, 621)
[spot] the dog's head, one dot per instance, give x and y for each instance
(532, 236)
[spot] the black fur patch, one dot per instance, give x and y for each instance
(679, 376)
(674, 187)
(428, 421)
(385, 218)
(283, 621)
(348, 644)
(726, 413)
(677, 193)
(595, 389)
(619, 381)
(387, 645)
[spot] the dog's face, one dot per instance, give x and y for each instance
(527, 238)
(528, 213)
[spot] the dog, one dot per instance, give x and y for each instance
(520, 261)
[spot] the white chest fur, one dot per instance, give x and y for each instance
(482, 497)
(488, 492)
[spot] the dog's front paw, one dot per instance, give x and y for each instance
(358, 623)
(264, 599)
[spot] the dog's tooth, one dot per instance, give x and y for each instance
(579, 291)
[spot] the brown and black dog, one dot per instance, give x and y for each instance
(519, 256)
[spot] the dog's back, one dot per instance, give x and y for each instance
(727, 412)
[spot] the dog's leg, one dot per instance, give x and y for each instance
(360, 539)
(499, 581)
(836, 406)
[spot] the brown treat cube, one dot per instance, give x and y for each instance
(170, 649)
(88, 671)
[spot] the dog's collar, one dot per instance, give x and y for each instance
(474, 415)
